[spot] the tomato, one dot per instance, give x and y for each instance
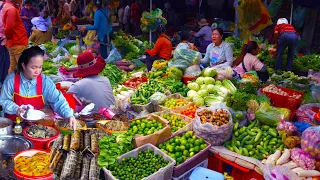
(317, 116)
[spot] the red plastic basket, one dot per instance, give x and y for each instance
(40, 143)
(186, 79)
(284, 101)
(219, 164)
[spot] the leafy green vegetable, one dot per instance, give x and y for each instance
(211, 99)
(308, 99)
(49, 47)
(199, 101)
(229, 85)
(238, 101)
(111, 147)
(49, 67)
(263, 99)
(114, 74)
(249, 88)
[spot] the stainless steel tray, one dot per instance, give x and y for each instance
(10, 145)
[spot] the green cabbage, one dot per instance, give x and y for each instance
(192, 93)
(199, 101)
(209, 72)
(208, 80)
(229, 85)
(211, 99)
(271, 116)
(203, 93)
(193, 86)
(203, 86)
(200, 80)
(210, 88)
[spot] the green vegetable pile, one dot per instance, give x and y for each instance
(49, 68)
(114, 74)
(183, 147)
(175, 86)
(69, 45)
(61, 34)
(249, 88)
(239, 100)
(142, 94)
(236, 45)
(144, 165)
(128, 46)
(111, 147)
(175, 122)
(256, 140)
(144, 127)
(49, 47)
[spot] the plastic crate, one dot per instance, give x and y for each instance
(191, 162)
(219, 164)
(187, 174)
(284, 101)
(162, 174)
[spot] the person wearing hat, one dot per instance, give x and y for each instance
(92, 86)
(41, 34)
(27, 86)
(203, 35)
(285, 36)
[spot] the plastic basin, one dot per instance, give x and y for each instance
(30, 152)
(40, 143)
(186, 79)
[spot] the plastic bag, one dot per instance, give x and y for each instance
(223, 72)
(157, 98)
(304, 160)
(272, 172)
(298, 17)
(291, 141)
(113, 56)
(216, 135)
(310, 142)
(301, 126)
(190, 55)
(271, 115)
(192, 71)
(250, 77)
(286, 126)
(90, 37)
(306, 114)
(315, 91)
(56, 52)
(240, 116)
(274, 7)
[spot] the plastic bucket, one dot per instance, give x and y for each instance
(40, 143)
(20, 176)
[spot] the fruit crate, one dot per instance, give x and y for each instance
(284, 101)
(191, 162)
(174, 96)
(219, 164)
(162, 174)
(187, 174)
(186, 128)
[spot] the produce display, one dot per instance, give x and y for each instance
(142, 94)
(135, 82)
(64, 124)
(145, 164)
(36, 165)
(174, 103)
(61, 34)
(144, 127)
(174, 121)
(256, 140)
(183, 147)
(39, 131)
(114, 74)
(275, 90)
(190, 111)
(216, 118)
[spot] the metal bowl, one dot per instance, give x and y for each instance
(10, 145)
(8, 129)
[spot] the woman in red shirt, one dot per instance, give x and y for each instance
(162, 49)
(285, 36)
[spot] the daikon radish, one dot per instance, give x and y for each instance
(306, 173)
(264, 161)
(272, 159)
(285, 157)
(268, 161)
(290, 165)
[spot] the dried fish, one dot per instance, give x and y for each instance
(94, 143)
(94, 169)
(87, 142)
(75, 140)
(69, 166)
(66, 142)
(77, 173)
(55, 160)
(81, 145)
(85, 168)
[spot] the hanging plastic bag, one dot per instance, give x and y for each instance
(90, 37)
(192, 71)
(274, 7)
(310, 142)
(113, 56)
(216, 135)
(298, 17)
(304, 160)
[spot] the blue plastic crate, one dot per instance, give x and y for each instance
(205, 174)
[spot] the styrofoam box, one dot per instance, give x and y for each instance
(187, 174)
(164, 173)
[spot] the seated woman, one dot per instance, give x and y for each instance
(218, 52)
(41, 34)
(92, 86)
(251, 62)
(185, 44)
(27, 86)
(162, 49)
(203, 36)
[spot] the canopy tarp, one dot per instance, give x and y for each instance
(307, 3)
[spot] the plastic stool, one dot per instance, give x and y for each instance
(205, 174)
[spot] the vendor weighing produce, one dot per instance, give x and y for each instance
(27, 86)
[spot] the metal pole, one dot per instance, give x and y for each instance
(150, 33)
(236, 3)
(291, 13)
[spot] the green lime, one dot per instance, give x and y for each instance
(191, 154)
(194, 137)
(171, 140)
(138, 121)
(177, 141)
(197, 142)
(184, 142)
(182, 147)
(180, 160)
(187, 146)
(203, 146)
(177, 149)
(191, 149)
(178, 154)
(196, 149)
(186, 153)
(201, 140)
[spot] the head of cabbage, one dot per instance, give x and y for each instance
(209, 72)
(200, 80)
(198, 101)
(193, 86)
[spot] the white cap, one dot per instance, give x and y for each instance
(282, 21)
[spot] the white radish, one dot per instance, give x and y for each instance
(275, 157)
(285, 157)
(268, 161)
(306, 173)
(290, 165)
(264, 161)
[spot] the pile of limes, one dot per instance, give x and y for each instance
(183, 147)
(175, 122)
(174, 103)
(144, 127)
(146, 164)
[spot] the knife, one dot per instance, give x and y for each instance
(26, 113)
